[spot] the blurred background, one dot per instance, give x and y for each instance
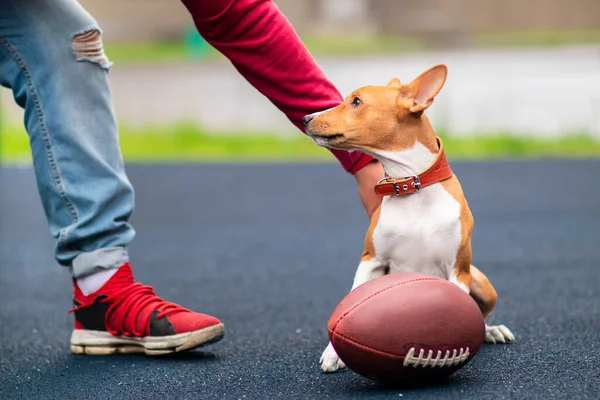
(524, 77)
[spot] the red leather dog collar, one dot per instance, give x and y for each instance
(437, 172)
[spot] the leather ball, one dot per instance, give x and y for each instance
(406, 326)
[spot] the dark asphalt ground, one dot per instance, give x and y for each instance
(271, 249)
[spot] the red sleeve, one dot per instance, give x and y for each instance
(263, 46)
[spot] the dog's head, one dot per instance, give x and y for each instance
(380, 118)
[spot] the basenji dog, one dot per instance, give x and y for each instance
(424, 223)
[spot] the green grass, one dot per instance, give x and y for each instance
(174, 52)
(189, 143)
(505, 145)
(537, 38)
(154, 53)
(184, 142)
(338, 45)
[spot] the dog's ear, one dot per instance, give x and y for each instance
(422, 90)
(394, 82)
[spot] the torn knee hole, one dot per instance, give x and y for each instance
(87, 46)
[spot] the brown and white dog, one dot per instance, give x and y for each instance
(424, 223)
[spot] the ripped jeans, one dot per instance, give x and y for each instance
(52, 59)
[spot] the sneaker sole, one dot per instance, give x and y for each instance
(100, 343)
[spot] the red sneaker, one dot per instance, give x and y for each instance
(127, 317)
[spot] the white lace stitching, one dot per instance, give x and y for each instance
(420, 360)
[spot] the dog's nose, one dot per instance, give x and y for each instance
(307, 119)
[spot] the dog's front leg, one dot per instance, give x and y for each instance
(367, 269)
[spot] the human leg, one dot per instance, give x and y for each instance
(85, 192)
(51, 56)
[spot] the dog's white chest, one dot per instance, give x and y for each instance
(420, 232)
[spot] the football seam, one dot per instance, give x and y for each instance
(353, 341)
(376, 293)
(386, 353)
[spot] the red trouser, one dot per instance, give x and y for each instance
(263, 46)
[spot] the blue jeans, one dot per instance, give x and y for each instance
(51, 57)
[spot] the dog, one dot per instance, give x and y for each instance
(424, 223)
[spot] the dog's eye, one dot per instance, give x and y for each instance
(356, 102)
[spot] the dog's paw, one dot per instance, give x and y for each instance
(498, 334)
(330, 362)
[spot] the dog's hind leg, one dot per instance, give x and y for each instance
(367, 269)
(485, 295)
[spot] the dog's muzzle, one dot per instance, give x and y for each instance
(307, 119)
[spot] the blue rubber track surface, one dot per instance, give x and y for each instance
(271, 250)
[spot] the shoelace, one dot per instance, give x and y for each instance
(132, 300)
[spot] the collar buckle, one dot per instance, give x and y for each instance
(437, 172)
(416, 183)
